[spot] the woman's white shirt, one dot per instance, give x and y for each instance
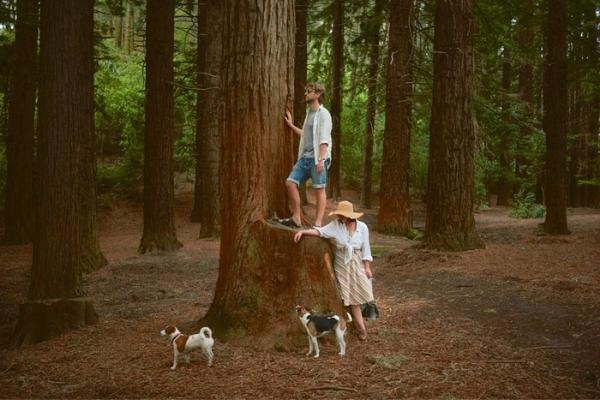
(358, 241)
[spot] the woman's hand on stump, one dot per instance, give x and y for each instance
(298, 236)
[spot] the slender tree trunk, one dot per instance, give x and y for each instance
(159, 214)
(262, 273)
(575, 125)
(55, 305)
(394, 199)
(19, 146)
(504, 187)
(555, 117)
(374, 28)
(591, 114)
(206, 199)
(300, 67)
(525, 36)
(337, 77)
(118, 23)
(450, 181)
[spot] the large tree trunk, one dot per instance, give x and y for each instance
(262, 273)
(374, 26)
(504, 186)
(19, 147)
(65, 77)
(394, 199)
(91, 255)
(300, 67)
(159, 210)
(450, 181)
(555, 117)
(337, 77)
(206, 195)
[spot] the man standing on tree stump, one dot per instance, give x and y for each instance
(314, 155)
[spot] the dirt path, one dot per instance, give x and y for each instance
(518, 319)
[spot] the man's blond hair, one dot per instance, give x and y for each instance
(318, 89)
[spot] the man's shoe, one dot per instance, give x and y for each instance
(289, 222)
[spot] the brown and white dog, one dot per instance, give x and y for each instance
(319, 325)
(184, 344)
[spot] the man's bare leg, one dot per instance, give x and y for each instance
(321, 203)
(294, 201)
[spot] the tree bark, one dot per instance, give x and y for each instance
(555, 117)
(65, 79)
(337, 79)
(394, 198)
(525, 37)
(450, 223)
(262, 273)
(504, 186)
(300, 67)
(91, 255)
(159, 211)
(206, 195)
(374, 27)
(20, 140)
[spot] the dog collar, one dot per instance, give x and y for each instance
(175, 337)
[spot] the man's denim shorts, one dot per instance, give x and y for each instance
(306, 168)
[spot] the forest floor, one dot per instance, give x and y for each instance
(518, 319)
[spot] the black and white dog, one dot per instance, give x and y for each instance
(319, 325)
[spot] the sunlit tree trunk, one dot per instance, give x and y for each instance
(374, 27)
(159, 214)
(450, 181)
(394, 199)
(66, 47)
(555, 117)
(20, 140)
(337, 78)
(206, 195)
(262, 273)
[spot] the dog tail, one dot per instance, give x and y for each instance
(349, 317)
(206, 332)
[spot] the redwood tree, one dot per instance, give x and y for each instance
(206, 190)
(300, 67)
(19, 147)
(337, 77)
(373, 28)
(394, 199)
(65, 98)
(555, 117)
(159, 210)
(450, 181)
(262, 273)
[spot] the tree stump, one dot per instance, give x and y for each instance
(257, 299)
(44, 319)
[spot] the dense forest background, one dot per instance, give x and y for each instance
(508, 94)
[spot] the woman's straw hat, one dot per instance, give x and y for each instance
(346, 209)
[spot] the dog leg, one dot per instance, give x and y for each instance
(187, 358)
(310, 346)
(341, 342)
(209, 355)
(315, 346)
(175, 357)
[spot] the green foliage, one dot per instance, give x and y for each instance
(524, 206)
(120, 116)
